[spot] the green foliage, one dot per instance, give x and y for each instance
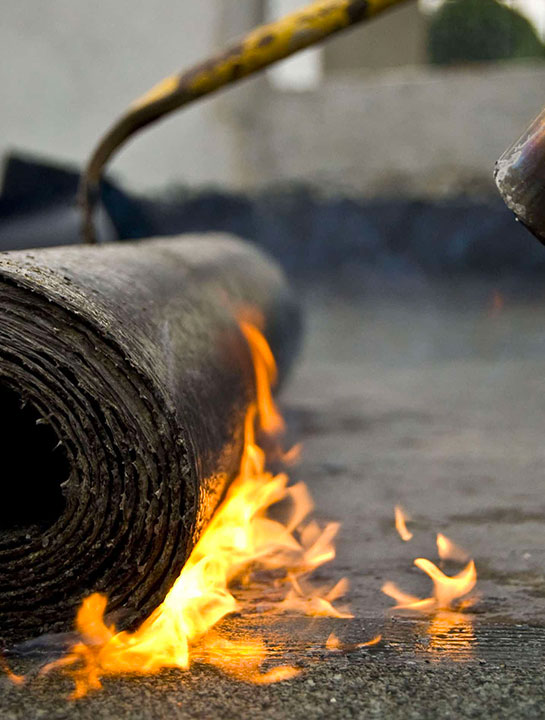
(480, 30)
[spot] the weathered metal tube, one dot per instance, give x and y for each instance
(520, 177)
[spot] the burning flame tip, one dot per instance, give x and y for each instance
(292, 456)
(401, 519)
(370, 643)
(447, 550)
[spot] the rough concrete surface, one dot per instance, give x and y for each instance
(428, 397)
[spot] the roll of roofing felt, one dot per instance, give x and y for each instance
(124, 382)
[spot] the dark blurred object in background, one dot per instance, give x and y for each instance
(464, 31)
(309, 232)
(38, 207)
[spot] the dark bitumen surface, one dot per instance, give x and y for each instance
(434, 398)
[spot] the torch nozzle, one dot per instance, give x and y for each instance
(520, 177)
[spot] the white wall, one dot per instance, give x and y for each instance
(69, 67)
(420, 131)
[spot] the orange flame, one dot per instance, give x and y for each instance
(265, 377)
(446, 590)
(400, 520)
(12, 677)
(239, 537)
(447, 550)
(450, 631)
(333, 644)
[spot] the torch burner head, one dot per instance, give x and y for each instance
(520, 177)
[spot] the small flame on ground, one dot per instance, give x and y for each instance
(446, 589)
(12, 677)
(449, 630)
(239, 538)
(447, 550)
(401, 519)
(333, 644)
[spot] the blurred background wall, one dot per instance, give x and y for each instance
(373, 112)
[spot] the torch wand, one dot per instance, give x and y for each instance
(261, 48)
(520, 177)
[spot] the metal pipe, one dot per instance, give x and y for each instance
(259, 49)
(520, 177)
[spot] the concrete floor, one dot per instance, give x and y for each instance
(433, 398)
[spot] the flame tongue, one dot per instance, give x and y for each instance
(447, 550)
(446, 589)
(401, 524)
(239, 538)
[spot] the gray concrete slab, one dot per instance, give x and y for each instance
(434, 398)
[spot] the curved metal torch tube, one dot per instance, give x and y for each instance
(259, 49)
(520, 177)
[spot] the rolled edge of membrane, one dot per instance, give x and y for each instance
(119, 531)
(151, 427)
(520, 177)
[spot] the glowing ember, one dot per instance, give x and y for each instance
(240, 538)
(401, 519)
(497, 303)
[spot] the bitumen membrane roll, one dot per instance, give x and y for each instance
(124, 382)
